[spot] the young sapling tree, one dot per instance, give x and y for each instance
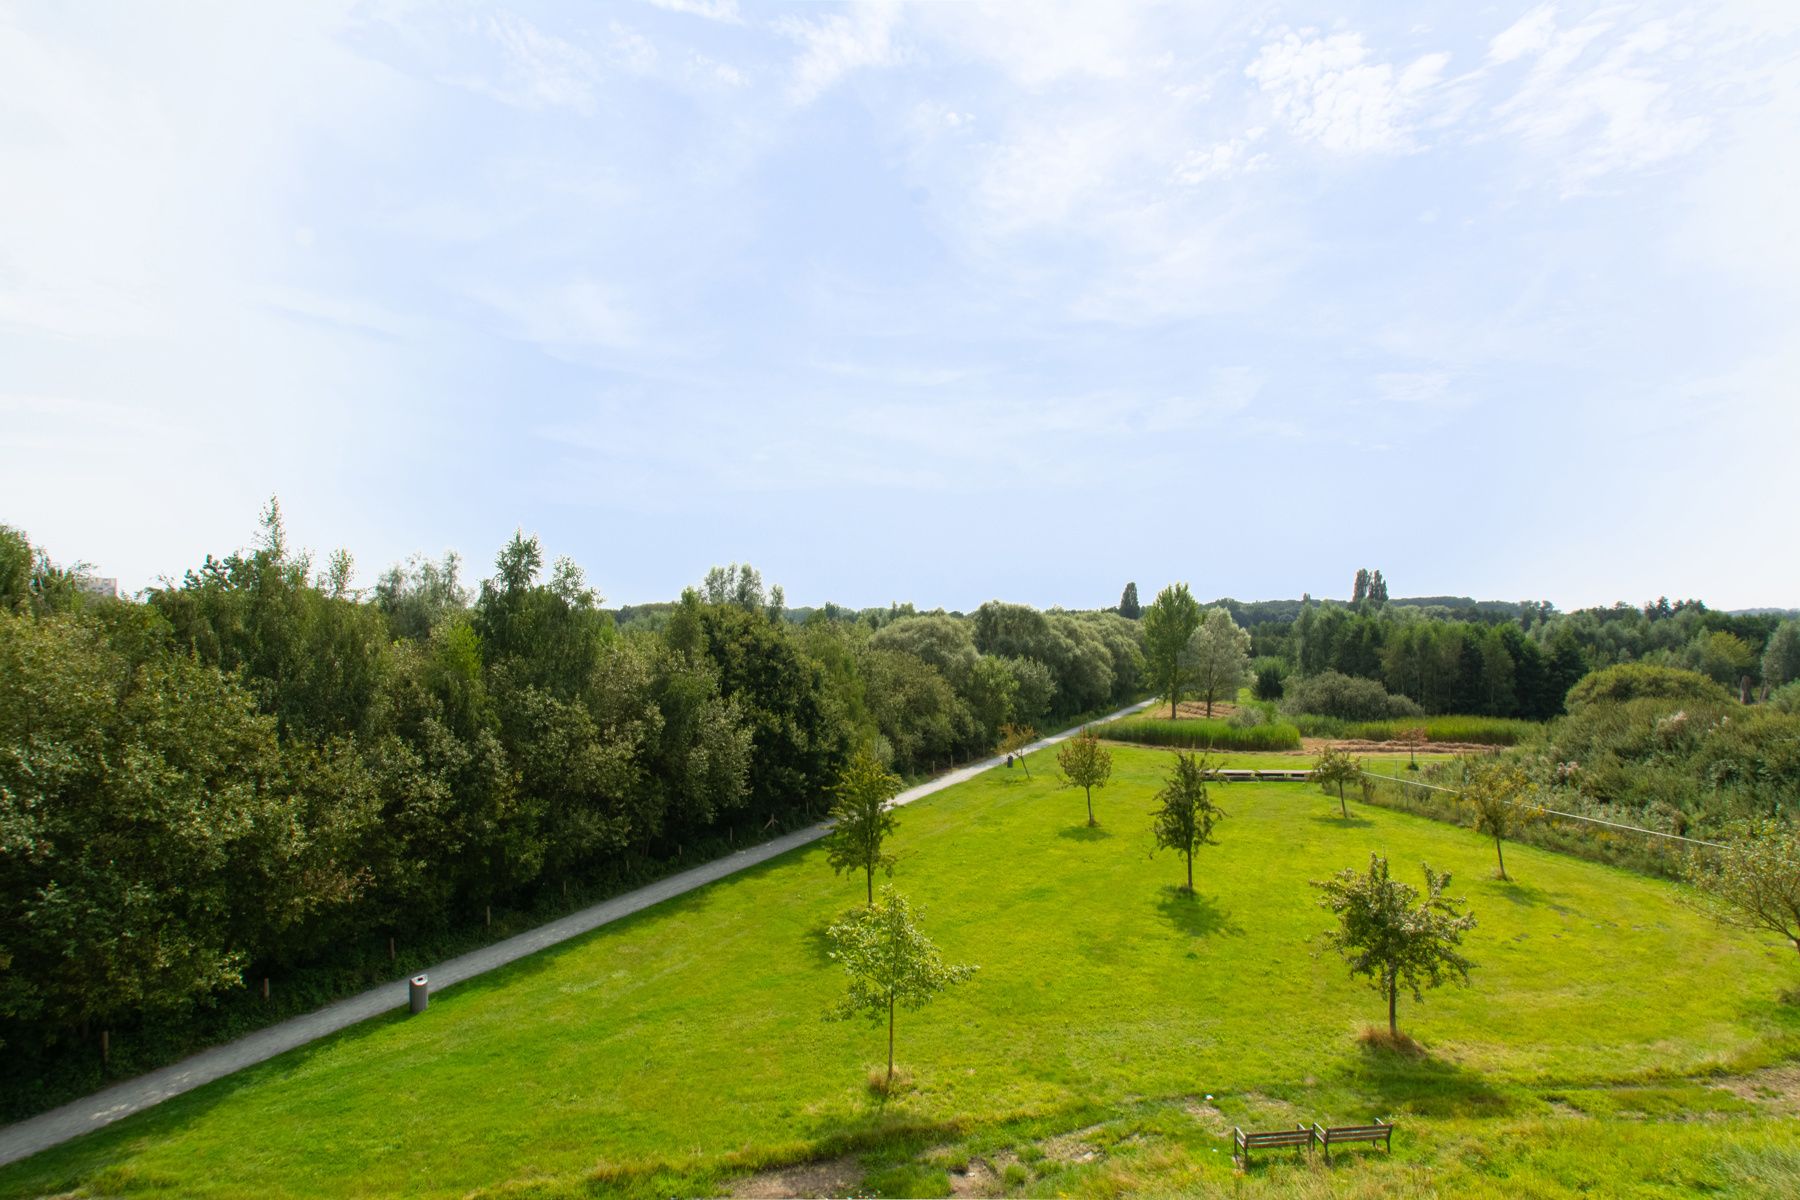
(1333, 769)
(1187, 815)
(1392, 937)
(863, 819)
(890, 962)
(1754, 882)
(1013, 740)
(1497, 792)
(1085, 764)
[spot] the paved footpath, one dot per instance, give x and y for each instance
(122, 1099)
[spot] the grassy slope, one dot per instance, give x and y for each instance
(687, 1040)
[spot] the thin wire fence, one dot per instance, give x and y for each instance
(1567, 816)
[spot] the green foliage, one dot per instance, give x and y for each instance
(150, 832)
(1185, 815)
(1781, 656)
(1086, 764)
(1683, 765)
(1200, 735)
(1333, 769)
(1332, 694)
(863, 819)
(1754, 883)
(1391, 936)
(1216, 658)
(1637, 681)
(1270, 680)
(1129, 608)
(890, 962)
(1497, 794)
(1720, 656)
(1168, 624)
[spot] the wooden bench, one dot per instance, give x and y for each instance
(1300, 1135)
(1380, 1131)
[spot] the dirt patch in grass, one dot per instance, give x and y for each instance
(1777, 1088)
(1072, 1147)
(981, 1177)
(825, 1177)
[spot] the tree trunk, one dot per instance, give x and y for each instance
(1172, 699)
(871, 877)
(1501, 854)
(890, 1039)
(1341, 803)
(1393, 1000)
(1190, 866)
(1090, 800)
(1209, 706)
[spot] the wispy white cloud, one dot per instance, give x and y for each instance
(1329, 90)
(1223, 160)
(539, 70)
(837, 44)
(1594, 103)
(713, 10)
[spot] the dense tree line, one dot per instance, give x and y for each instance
(257, 768)
(1506, 660)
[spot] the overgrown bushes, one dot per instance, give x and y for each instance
(1346, 697)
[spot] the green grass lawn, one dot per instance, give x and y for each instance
(671, 1052)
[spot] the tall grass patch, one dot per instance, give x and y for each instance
(1201, 734)
(1478, 731)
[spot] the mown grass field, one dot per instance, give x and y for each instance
(682, 1050)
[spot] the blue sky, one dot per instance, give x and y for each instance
(936, 303)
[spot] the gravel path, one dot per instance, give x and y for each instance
(122, 1099)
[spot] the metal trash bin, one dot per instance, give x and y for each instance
(418, 995)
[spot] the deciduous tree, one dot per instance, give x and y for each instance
(1496, 792)
(1085, 764)
(1333, 769)
(1391, 936)
(1185, 819)
(1013, 740)
(1754, 883)
(1168, 624)
(1217, 657)
(862, 819)
(890, 962)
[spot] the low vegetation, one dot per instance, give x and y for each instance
(1200, 734)
(1450, 729)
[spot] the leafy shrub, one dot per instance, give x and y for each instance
(1331, 694)
(1633, 681)
(1786, 699)
(1200, 735)
(1248, 717)
(1270, 679)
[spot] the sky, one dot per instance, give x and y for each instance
(935, 303)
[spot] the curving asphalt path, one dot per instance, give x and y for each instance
(104, 1107)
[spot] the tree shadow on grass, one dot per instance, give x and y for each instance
(1341, 821)
(1522, 894)
(1413, 1080)
(1195, 915)
(1085, 833)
